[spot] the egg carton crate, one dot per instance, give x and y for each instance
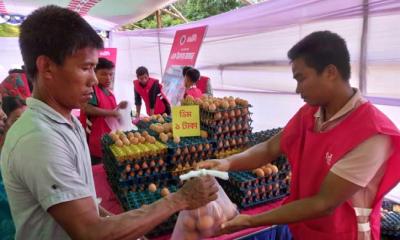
(217, 132)
(135, 200)
(227, 121)
(390, 224)
(143, 125)
(253, 198)
(244, 180)
(129, 154)
(232, 142)
(238, 111)
(262, 136)
(176, 149)
(222, 153)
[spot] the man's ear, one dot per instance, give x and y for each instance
(331, 72)
(45, 67)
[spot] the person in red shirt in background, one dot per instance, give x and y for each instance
(191, 77)
(204, 83)
(101, 105)
(150, 90)
(16, 84)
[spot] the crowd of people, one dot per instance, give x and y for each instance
(47, 153)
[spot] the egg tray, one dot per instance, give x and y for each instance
(244, 200)
(226, 121)
(390, 225)
(246, 180)
(188, 142)
(206, 114)
(190, 158)
(122, 166)
(227, 143)
(146, 125)
(121, 182)
(134, 200)
(222, 153)
(227, 128)
(262, 136)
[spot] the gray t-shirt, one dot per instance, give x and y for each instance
(45, 160)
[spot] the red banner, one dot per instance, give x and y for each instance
(186, 46)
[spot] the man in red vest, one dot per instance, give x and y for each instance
(344, 152)
(101, 105)
(204, 83)
(150, 90)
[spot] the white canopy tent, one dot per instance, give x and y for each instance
(245, 51)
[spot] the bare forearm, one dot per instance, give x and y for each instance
(98, 112)
(136, 223)
(138, 107)
(296, 211)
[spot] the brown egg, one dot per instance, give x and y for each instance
(152, 140)
(142, 140)
(163, 137)
(134, 140)
(137, 166)
(186, 150)
(177, 139)
(128, 168)
(164, 192)
(137, 134)
(204, 134)
(259, 172)
(274, 169)
(119, 143)
(160, 162)
(126, 141)
(232, 113)
(225, 105)
(212, 107)
(232, 103)
(152, 187)
(191, 235)
(267, 171)
(192, 149)
(217, 116)
(204, 223)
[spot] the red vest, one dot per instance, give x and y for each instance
(194, 92)
(311, 156)
(202, 84)
(99, 125)
(159, 107)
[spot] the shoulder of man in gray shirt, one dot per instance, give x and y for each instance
(45, 161)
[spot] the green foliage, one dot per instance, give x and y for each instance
(192, 9)
(7, 30)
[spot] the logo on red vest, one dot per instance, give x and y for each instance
(328, 158)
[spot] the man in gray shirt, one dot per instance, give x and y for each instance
(45, 160)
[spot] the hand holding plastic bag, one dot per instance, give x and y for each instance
(205, 221)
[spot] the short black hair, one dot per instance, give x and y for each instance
(55, 32)
(11, 103)
(193, 75)
(140, 71)
(322, 48)
(104, 63)
(185, 69)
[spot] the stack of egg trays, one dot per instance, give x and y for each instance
(390, 225)
(219, 129)
(208, 115)
(135, 200)
(178, 155)
(124, 181)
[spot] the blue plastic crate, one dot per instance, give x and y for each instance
(279, 232)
